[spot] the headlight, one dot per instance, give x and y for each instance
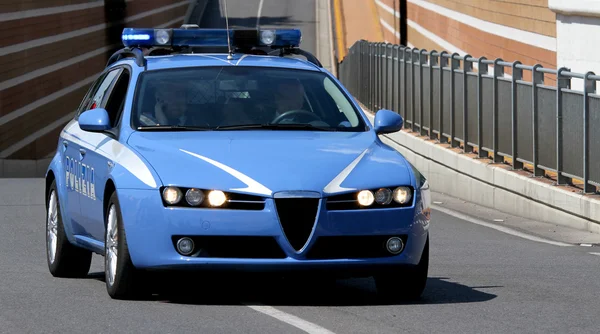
(216, 198)
(194, 197)
(383, 196)
(172, 195)
(365, 198)
(402, 195)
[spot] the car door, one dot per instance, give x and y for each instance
(97, 165)
(89, 169)
(70, 152)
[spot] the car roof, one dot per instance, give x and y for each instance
(219, 59)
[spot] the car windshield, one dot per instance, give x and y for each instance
(231, 97)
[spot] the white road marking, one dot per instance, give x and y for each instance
(290, 319)
(498, 228)
(594, 253)
(260, 6)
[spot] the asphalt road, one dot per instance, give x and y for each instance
(481, 281)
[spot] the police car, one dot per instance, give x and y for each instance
(253, 158)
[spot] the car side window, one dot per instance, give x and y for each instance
(101, 93)
(85, 102)
(115, 102)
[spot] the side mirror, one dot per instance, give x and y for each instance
(94, 120)
(387, 121)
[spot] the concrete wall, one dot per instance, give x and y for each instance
(50, 51)
(578, 34)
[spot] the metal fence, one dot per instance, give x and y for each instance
(552, 128)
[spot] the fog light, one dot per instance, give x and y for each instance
(185, 246)
(395, 245)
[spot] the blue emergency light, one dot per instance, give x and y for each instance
(239, 38)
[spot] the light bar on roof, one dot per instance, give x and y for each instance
(240, 38)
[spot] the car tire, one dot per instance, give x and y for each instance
(406, 284)
(123, 280)
(64, 259)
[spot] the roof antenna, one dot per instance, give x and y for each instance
(230, 56)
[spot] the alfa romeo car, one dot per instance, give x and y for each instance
(252, 157)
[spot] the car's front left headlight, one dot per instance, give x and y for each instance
(186, 197)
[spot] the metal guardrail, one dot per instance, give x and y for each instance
(553, 129)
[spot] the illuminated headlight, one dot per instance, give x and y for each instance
(162, 36)
(365, 198)
(172, 195)
(383, 196)
(216, 198)
(194, 197)
(402, 195)
(267, 37)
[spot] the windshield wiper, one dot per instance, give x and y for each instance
(172, 128)
(274, 127)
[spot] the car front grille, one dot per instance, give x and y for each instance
(297, 217)
(351, 247)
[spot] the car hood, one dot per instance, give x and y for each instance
(264, 162)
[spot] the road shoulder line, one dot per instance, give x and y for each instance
(503, 229)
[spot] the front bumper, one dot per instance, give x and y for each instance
(151, 230)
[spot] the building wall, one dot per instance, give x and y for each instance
(523, 30)
(50, 51)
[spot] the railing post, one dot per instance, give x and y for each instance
(422, 60)
(454, 65)
(443, 61)
(412, 89)
(384, 77)
(467, 67)
(498, 72)
(405, 61)
(561, 82)
(481, 69)
(369, 74)
(432, 62)
(537, 78)
(517, 74)
(589, 87)
(394, 69)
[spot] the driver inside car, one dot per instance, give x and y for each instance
(289, 95)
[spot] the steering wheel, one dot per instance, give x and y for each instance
(297, 112)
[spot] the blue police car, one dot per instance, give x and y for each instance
(254, 158)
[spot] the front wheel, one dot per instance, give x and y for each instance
(64, 259)
(405, 284)
(122, 279)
